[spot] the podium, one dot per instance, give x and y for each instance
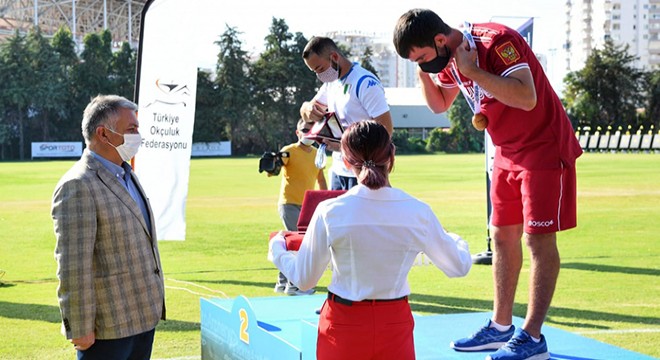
(260, 328)
(285, 327)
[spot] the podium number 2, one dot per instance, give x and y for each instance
(243, 334)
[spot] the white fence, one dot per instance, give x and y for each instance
(619, 141)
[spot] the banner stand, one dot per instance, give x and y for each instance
(165, 91)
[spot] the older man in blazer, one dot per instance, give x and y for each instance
(111, 290)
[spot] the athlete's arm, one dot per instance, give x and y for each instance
(515, 90)
(438, 99)
(385, 119)
(320, 179)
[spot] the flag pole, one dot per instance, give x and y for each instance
(486, 257)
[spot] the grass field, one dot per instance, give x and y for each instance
(609, 285)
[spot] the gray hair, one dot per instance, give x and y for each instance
(103, 110)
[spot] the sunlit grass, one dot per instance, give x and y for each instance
(608, 281)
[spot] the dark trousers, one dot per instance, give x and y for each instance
(338, 182)
(136, 347)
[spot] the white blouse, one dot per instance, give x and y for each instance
(372, 238)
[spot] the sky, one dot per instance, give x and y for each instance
(254, 17)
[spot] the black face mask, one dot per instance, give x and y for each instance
(438, 64)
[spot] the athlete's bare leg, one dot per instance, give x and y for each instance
(543, 274)
(507, 262)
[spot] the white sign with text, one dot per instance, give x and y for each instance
(56, 149)
(166, 112)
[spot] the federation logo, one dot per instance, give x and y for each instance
(171, 93)
(508, 53)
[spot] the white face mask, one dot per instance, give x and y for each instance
(330, 74)
(130, 147)
(306, 141)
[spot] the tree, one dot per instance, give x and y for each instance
(64, 45)
(652, 110)
(209, 125)
(275, 94)
(438, 140)
(607, 91)
(47, 88)
(366, 60)
(306, 83)
(5, 130)
(15, 77)
(67, 120)
(92, 74)
(405, 144)
(233, 85)
(46, 85)
(122, 71)
(345, 49)
(462, 136)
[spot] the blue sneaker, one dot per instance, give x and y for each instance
(522, 347)
(487, 338)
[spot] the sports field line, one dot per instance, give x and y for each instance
(190, 283)
(623, 331)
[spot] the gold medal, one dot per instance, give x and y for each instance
(479, 121)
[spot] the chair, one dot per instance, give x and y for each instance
(646, 142)
(603, 141)
(584, 140)
(593, 141)
(635, 140)
(614, 141)
(311, 200)
(624, 144)
(656, 143)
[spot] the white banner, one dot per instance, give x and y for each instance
(220, 148)
(167, 82)
(56, 149)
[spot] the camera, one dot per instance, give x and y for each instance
(271, 162)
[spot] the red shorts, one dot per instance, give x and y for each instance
(544, 201)
(366, 330)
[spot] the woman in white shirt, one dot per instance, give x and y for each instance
(372, 234)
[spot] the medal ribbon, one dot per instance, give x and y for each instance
(319, 160)
(474, 103)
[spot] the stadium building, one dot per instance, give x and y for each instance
(120, 17)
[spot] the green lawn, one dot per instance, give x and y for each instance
(609, 286)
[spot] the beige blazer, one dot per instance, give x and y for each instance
(109, 271)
